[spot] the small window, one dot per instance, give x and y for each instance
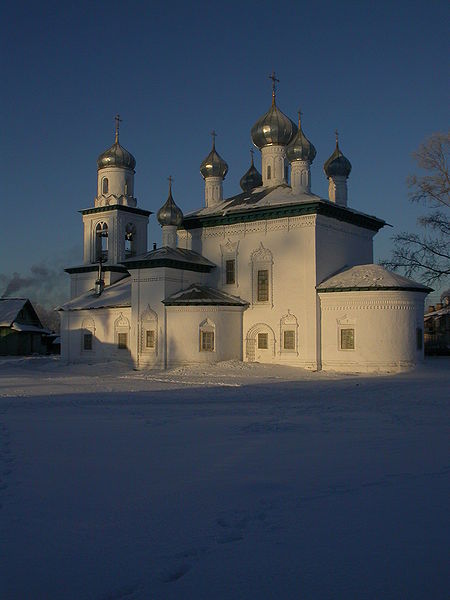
(347, 339)
(150, 339)
(263, 341)
(289, 339)
(230, 270)
(105, 185)
(269, 172)
(263, 285)
(87, 341)
(419, 338)
(207, 341)
(122, 341)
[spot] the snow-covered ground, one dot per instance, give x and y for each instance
(230, 482)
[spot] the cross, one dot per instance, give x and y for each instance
(213, 135)
(274, 79)
(170, 179)
(118, 120)
(252, 152)
(336, 133)
(299, 112)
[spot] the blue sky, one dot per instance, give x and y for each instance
(174, 71)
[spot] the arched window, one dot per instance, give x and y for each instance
(260, 343)
(105, 185)
(269, 172)
(130, 242)
(262, 276)
(149, 332)
(121, 332)
(289, 333)
(87, 335)
(101, 242)
(207, 336)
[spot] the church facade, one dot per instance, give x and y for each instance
(274, 274)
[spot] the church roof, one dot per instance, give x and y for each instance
(199, 295)
(176, 258)
(117, 295)
(271, 203)
(369, 277)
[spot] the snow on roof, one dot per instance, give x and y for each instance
(196, 295)
(368, 277)
(257, 198)
(166, 255)
(9, 309)
(117, 295)
(29, 328)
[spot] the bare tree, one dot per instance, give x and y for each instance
(427, 255)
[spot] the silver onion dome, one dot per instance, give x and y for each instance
(213, 165)
(169, 213)
(251, 179)
(116, 156)
(300, 148)
(273, 128)
(337, 164)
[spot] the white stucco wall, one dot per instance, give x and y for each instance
(183, 331)
(104, 324)
(385, 330)
(301, 251)
(148, 288)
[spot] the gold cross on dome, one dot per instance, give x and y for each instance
(170, 179)
(300, 114)
(274, 79)
(118, 120)
(336, 133)
(213, 135)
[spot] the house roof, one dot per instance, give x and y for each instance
(369, 277)
(117, 295)
(177, 258)
(9, 309)
(202, 295)
(272, 203)
(9, 312)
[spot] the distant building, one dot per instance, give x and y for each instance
(274, 274)
(21, 331)
(437, 326)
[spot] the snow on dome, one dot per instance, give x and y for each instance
(370, 277)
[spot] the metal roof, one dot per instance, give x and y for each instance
(117, 295)
(198, 295)
(369, 277)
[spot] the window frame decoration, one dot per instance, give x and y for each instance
(87, 328)
(122, 326)
(207, 327)
(344, 324)
(261, 259)
(148, 322)
(105, 186)
(288, 322)
(230, 251)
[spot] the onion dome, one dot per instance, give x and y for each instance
(213, 165)
(169, 213)
(273, 128)
(337, 164)
(251, 179)
(116, 156)
(300, 148)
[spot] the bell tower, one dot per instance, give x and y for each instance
(114, 228)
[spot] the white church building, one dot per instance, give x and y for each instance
(275, 274)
